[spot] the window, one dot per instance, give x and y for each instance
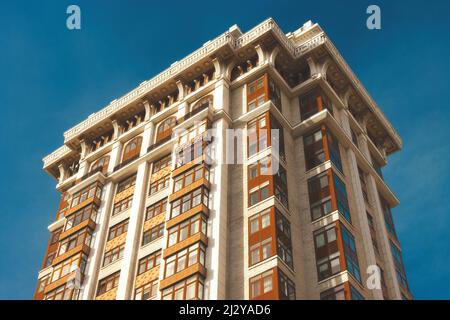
(162, 163)
(153, 234)
(113, 255)
(132, 149)
(186, 229)
(283, 225)
(100, 165)
(261, 251)
(108, 283)
(42, 283)
(314, 150)
(284, 251)
(147, 291)
(64, 292)
(341, 197)
(373, 233)
(320, 146)
(327, 253)
(189, 201)
(388, 219)
(118, 229)
(336, 293)
(313, 102)
(190, 176)
(319, 196)
(94, 190)
(68, 266)
(259, 221)
(258, 134)
(261, 284)
(74, 219)
(351, 257)
(362, 180)
(399, 267)
(55, 236)
(192, 151)
(355, 295)
(259, 194)
(156, 209)
(189, 289)
(257, 93)
(49, 259)
(280, 184)
(165, 129)
(159, 184)
(81, 237)
(122, 205)
(322, 201)
(194, 133)
(149, 262)
(126, 183)
(184, 259)
(286, 287)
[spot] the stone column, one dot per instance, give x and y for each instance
(101, 231)
(127, 273)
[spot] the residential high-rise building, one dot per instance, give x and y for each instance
(251, 169)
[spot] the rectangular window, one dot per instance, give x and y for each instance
(186, 229)
(185, 179)
(118, 229)
(64, 292)
(399, 267)
(162, 163)
(313, 102)
(261, 251)
(320, 196)
(156, 209)
(126, 183)
(320, 146)
(81, 237)
(336, 293)
(388, 219)
(258, 134)
(261, 284)
(113, 255)
(327, 252)
(159, 184)
(322, 200)
(257, 93)
(373, 233)
(122, 205)
(74, 219)
(259, 194)
(259, 221)
(362, 180)
(147, 291)
(68, 266)
(280, 186)
(286, 287)
(351, 257)
(189, 201)
(108, 283)
(355, 295)
(149, 262)
(189, 289)
(94, 190)
(184, 259)
(153, 234)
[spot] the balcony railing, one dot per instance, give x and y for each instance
(124, 163)
(159, 143)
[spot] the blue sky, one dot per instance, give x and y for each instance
(52, 78)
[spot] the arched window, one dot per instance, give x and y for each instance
(165, 128)
(203, 103)
(132, 149)
(100, 165)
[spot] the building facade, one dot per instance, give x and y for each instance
(251, 169)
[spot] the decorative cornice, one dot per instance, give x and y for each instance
(235, 40)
